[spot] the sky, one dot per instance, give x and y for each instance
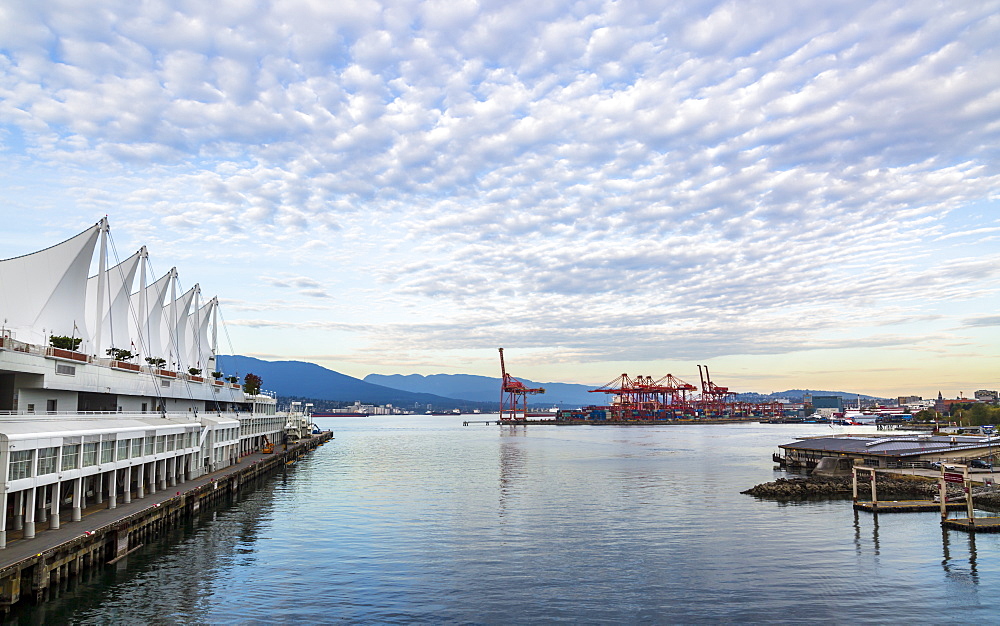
(796, 194)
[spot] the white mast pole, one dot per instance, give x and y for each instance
(196, 326)
(173, 311)
(102, 268)
(143, 313)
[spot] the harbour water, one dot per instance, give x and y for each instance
(420, 519)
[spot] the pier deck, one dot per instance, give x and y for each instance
(905, 506)
(978, 525)
(28, 566)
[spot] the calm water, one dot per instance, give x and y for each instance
(420, 519)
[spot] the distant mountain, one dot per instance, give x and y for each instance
(308, 380)
(486, 389)
(796, 395)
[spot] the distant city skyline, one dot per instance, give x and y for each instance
(797, 197)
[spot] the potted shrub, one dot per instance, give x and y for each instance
(119, 355)
(65, 343)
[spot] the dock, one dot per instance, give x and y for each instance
(30, 567)
(905, 506)
(976, 525)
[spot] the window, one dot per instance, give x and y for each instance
(171, 442)
(136, 447)
(70, 457)
(107, 451)
(47, 459)
(122, 449)
(90, 454)
(149, 446)
(160, 443)
(50, 406)
(20, 464)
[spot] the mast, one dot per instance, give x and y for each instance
(143, 313)
(173, 316)
(102, 269)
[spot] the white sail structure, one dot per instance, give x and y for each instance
(148, 303)
(200, 351)
(173, 335)
(115, 308)
(45, 292)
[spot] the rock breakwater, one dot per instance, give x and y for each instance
(839, 487)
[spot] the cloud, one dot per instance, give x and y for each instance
(617, 180)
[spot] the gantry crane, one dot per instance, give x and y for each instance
(715, 400)
(512, 390)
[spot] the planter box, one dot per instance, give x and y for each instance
(234, 385)
(218, 382)
(165, 373)
(122, 365)
(69, 355)
(197, 379)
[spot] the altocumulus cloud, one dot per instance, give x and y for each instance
(693, 175)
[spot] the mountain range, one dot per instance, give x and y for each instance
(302, 380)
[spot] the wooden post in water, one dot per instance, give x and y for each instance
(968, 497)
(943, 494)
(874, 495)
(854, 485)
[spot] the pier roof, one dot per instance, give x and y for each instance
(904, 445)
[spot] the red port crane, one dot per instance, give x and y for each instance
(644, 398)
(513, 392)
(715, 399)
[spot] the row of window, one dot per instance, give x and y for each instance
(74, 456)
(254, 426)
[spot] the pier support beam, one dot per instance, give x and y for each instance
(77, 499)
(43, 504)
(113, 489)
(29, 514)
(56, 502)
(127, 495)
(139, 486)
(19, 510)
(3, 522)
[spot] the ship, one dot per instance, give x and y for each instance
(103, 391)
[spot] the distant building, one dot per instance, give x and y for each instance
(828, 405)
(941, 405)
(907, 400)
(984, 395)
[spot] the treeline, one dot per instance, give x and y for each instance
(970, 413)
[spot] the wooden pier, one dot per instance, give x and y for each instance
(29, 568)
(974, 525)
(905, 506)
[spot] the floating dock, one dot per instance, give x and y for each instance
(977, 525)
(905, 506)
(29, 567)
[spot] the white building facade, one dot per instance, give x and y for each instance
(133, 405)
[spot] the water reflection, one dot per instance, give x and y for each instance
(953, 568)
(857, 532)
(512, 462)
